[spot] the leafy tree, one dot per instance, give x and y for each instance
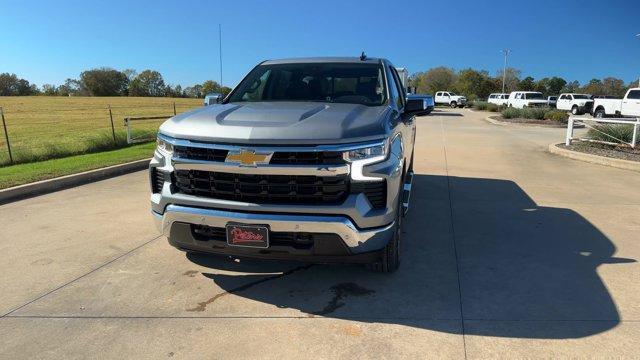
(512, 79)
(194, 91)
(104, 82)
(147, 83)
(436, 79)
(527, 84)
(571, 87)
(225, 90)
(49, 90)
(594, 87)
(613, 86)
(474, 84)
(11, 85)
(555, 85)
(210, 86)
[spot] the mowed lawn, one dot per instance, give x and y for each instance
(45, 127)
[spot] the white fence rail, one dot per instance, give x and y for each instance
(626, 121)
(128, 122)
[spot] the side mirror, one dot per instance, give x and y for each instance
(415, 106)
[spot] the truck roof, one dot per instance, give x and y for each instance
(352, 60)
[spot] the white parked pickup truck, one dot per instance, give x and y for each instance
(627, 106)
(578, 104)
(450, 98)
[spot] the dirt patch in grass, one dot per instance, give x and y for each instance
(623, 153)
(547, 123)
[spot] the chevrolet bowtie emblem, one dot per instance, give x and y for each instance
(247, 157)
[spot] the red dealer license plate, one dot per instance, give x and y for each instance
(248, 235)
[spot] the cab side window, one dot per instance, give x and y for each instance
(634, 94)
(394, 95)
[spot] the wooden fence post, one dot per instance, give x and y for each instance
(113, 129)
(6, 135)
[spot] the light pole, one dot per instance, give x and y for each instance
(638, 36)
(504, 70)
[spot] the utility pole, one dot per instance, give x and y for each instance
(504, 70)
(638, 36)
(220, 42)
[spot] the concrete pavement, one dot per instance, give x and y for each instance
(509, 251)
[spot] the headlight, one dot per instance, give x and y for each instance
(361, 157)
(581, 104)
(164, 146)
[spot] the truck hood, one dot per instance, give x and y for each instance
(289, 123)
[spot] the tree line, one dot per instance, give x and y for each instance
(109, 82)
(476, 84)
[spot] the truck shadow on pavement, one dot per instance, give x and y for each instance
(478, 247)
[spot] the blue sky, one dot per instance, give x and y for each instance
(47, 41)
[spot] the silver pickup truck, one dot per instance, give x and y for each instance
(306, 159)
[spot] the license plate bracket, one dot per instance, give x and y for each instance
(248, 235)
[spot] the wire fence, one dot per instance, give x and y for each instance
(35, 129)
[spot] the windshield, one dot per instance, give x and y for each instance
(453, 94)
(343, 83)
(534, 96)
(580, 96)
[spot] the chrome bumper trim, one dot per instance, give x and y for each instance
(266, 169)
(357, 240)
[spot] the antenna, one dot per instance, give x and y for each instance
(220, 41)
(363, 56)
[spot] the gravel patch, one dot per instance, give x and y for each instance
(604, 150)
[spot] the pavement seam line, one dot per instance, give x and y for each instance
(453, 236)
(81, 276)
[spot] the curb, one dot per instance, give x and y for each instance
(595, 159)
(64, 182)
(548, 126)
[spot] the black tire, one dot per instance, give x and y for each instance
(599, 114)
(390, 260)
(453, 104)
(574, 110)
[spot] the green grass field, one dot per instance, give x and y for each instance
(44, 127)
(42, 170)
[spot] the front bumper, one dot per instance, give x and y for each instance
(361, 227)
(177, 220)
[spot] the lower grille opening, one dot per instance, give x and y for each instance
(375, 191)
(296, 240)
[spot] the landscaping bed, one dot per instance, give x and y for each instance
(549, 123)
(616, 152)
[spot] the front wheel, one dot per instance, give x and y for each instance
(574, 110)
(390, 260)
(453, 104)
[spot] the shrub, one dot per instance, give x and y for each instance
(532, 113)
(557, 116)
(494, 108)
(480, 105)
(511, 113)
(611, 132)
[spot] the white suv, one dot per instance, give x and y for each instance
(450, 98)
(578, 104)
(523, 99)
